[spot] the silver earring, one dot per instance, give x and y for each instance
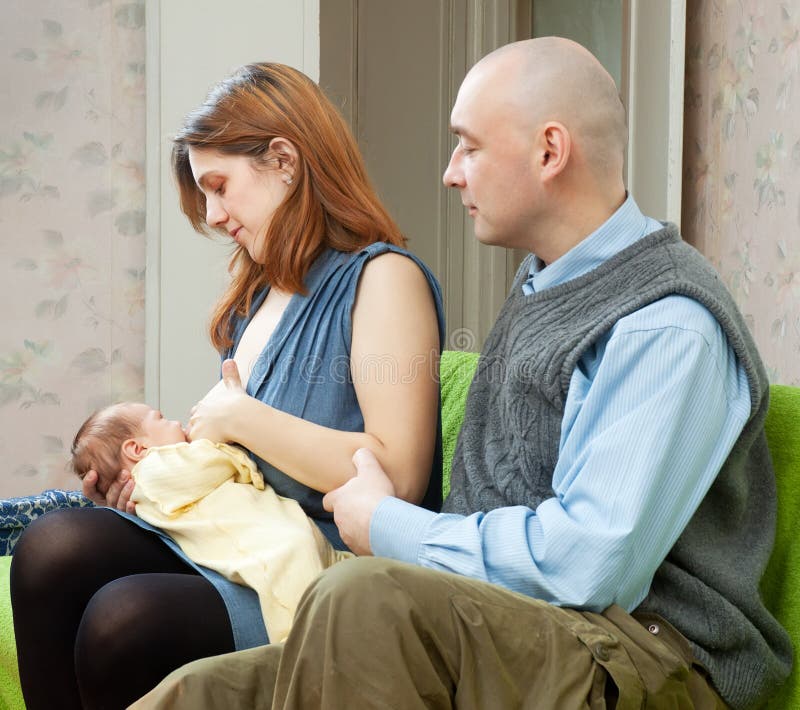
(289, 180)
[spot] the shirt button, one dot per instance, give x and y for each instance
(654, 629)
(601, 652)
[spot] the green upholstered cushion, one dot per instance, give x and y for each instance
(781, 583)
(780, 586)
(10, 693)
(455, 373)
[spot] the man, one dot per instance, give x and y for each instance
(612, 499)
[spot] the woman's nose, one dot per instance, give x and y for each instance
(215, 214)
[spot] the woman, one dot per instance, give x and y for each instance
(335, 332)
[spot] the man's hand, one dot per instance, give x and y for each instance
(211, 416)
(354, 503)
(118, 494)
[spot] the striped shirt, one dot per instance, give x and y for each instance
(652, 412)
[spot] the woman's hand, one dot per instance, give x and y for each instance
(211, 417)
(118, 494)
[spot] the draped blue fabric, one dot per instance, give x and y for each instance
(304, 370)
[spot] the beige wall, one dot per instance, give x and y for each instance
(73, 180)
(741, 191)
(192, 44)
(72, 200)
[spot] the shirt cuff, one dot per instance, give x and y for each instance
(397, 529)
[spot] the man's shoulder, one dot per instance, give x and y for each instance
(672, 311)
(678, 317)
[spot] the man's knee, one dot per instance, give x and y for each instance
(351, 577)
(366, 587)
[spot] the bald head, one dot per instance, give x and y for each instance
(556, 79)
(541, 138)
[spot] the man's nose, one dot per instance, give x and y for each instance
(453, 175)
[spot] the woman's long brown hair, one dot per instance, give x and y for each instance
(330, 202)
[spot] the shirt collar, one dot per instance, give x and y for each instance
(626, 226)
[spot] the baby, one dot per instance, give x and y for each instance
(117, 437)
(212, 500)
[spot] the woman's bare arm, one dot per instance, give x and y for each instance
(394, 365)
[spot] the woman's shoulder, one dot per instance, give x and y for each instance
(377, 261)
(394, 289)
(395, 272)
(394, 264)
(380, 276)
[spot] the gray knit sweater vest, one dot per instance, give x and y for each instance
(707, 587)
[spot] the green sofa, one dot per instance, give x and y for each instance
(780, 586)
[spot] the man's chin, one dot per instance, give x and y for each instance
(490, 239)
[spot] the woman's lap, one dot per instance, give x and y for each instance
(89, 574)
(241, 603)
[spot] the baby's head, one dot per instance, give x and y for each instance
(118, 437)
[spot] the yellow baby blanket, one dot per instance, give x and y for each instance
(212, 501)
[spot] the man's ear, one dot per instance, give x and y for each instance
(133, 449)
(285, 153)
(555, 147)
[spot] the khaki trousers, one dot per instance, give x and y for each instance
(374, 633)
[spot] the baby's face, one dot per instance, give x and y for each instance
(157, 431)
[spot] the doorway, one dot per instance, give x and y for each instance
(394, 68)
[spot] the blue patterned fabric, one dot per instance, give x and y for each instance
(17, 513)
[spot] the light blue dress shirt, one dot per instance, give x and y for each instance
(652, 412)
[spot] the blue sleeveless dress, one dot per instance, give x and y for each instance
(304, 370)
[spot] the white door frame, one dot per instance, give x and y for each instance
(190, 47)
(184, 275)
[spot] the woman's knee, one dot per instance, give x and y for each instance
(115, 616)
(141, 615)
(148, 624)
(52, 547)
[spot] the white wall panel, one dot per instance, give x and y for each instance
(192, 44)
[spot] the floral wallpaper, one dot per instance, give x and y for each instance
(72, 253)
(72, 150)
(741, 190)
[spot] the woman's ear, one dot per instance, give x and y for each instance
(133, 449)
(286, 155)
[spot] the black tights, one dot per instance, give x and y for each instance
(103, 610)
